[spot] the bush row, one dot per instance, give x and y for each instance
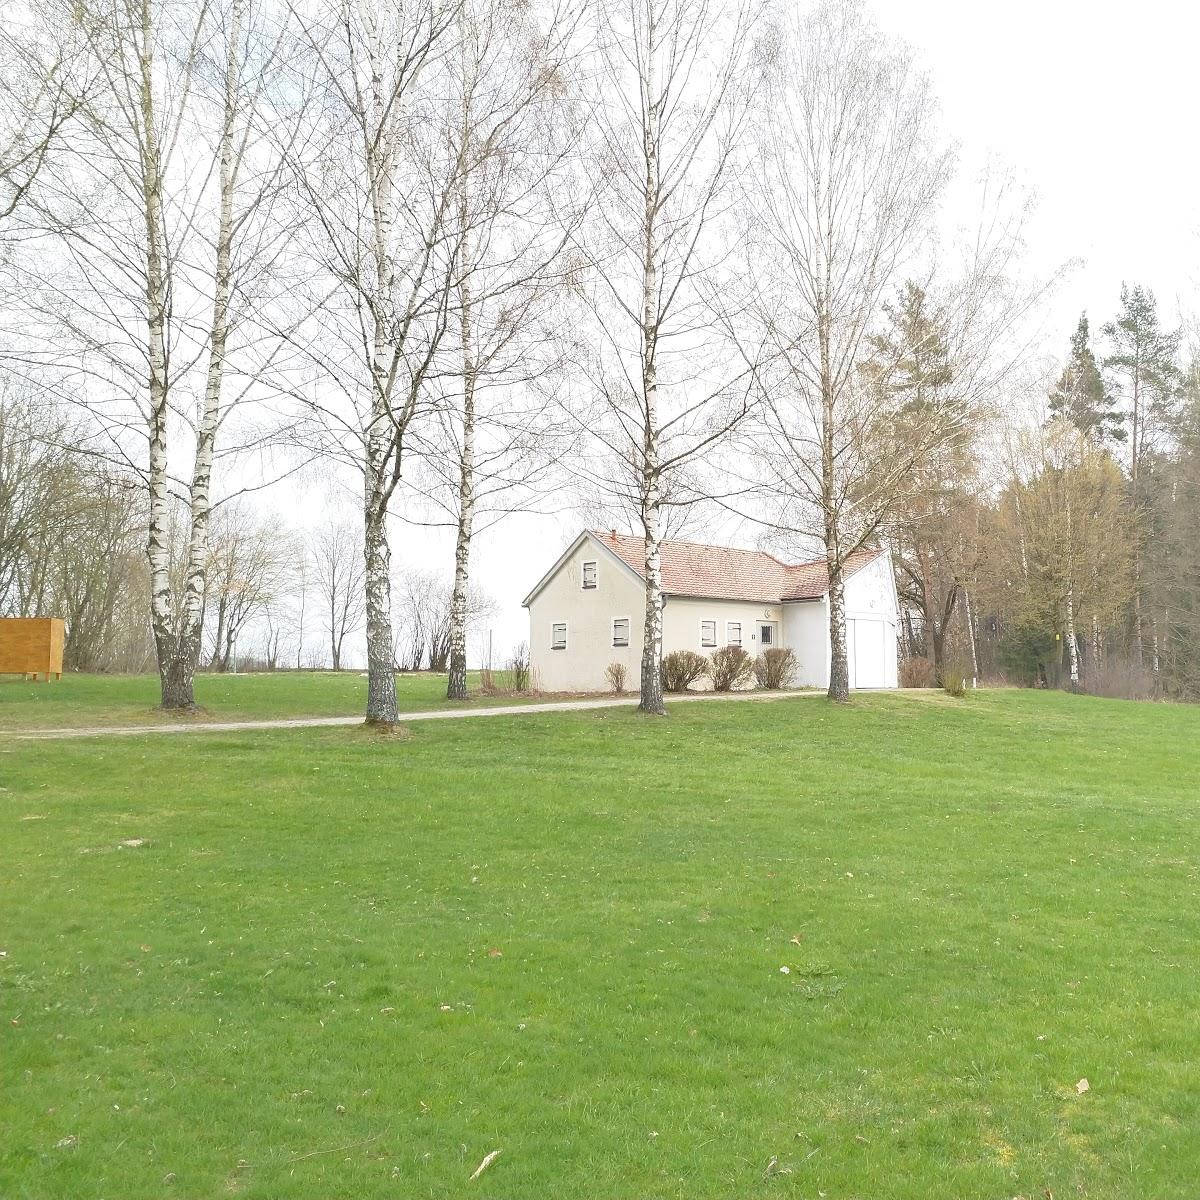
(727, 669)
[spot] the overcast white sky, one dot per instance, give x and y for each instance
(1091, 104)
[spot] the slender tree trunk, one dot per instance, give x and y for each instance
(1139, 651)
(175, 671)
(839, 666)
(651, 678)
(839, 663)
(651, 701)
(382, 457)
(927, 602)
(1135, 458)
(971, 637)
(1072, 641)
(456, 684)
(191, 619)
(219, 637)
(381, 677)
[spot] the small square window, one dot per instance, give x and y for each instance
(620, 631)
(708, 633)
(558, 635)
(589, 575)
(733, 633)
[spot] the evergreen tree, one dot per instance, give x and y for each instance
(1081, 396)
(1143, 360)
(1143, 363)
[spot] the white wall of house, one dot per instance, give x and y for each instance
(871, 615)
(588, 614)
(806, 633)
(684, 615)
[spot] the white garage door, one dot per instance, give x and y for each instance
(868, 657)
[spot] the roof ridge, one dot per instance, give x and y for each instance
(603, 533)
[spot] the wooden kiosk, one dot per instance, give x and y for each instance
(31, 646)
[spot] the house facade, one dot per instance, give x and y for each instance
(588, 611)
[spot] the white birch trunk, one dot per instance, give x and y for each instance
(456, 688)
(1072, 640)
(381, 676)
(839, 666)
(456, 683)
(651, 700)
(839, 663)
(379, 470)
(191, 617)
(971, 638)
(175, 679)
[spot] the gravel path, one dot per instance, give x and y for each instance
(440, 714)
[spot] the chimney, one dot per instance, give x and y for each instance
(613, 532)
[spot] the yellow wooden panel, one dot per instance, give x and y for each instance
(31, 645)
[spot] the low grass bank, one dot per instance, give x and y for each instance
(79, 700)
(299, 965)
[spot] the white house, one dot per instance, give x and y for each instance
(588, 610)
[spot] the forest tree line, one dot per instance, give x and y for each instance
(1064, 552)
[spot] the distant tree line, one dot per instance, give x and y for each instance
(72, 545)
(1064, 552)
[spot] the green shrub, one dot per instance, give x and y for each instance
(774, 668)
(681, 668)
(956, 674)
(729, 668)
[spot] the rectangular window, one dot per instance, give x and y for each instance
(708, 633)
(589, 575)
(733, 633)
(620, 631)
(768, 633)
(558, 635)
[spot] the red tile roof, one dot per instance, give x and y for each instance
(723, 573)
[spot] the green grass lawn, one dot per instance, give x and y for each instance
(342, 965)
(78, 700)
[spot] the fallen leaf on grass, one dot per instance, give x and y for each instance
(494, 952)
(67, 1143)
(488, 1159)
(1082, 1086)
(133, 843)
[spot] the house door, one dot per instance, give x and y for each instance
(767, 638)
(867, 654)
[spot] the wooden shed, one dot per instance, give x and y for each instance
(31, 646)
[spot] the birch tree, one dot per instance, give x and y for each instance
(847, 186)
(498, 438)
(159, 227)
(676, 79)
(378, 180)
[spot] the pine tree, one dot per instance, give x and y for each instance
(1144, 360)
(1143, 363)
(1081, 397)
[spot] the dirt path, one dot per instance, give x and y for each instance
(437, 714)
